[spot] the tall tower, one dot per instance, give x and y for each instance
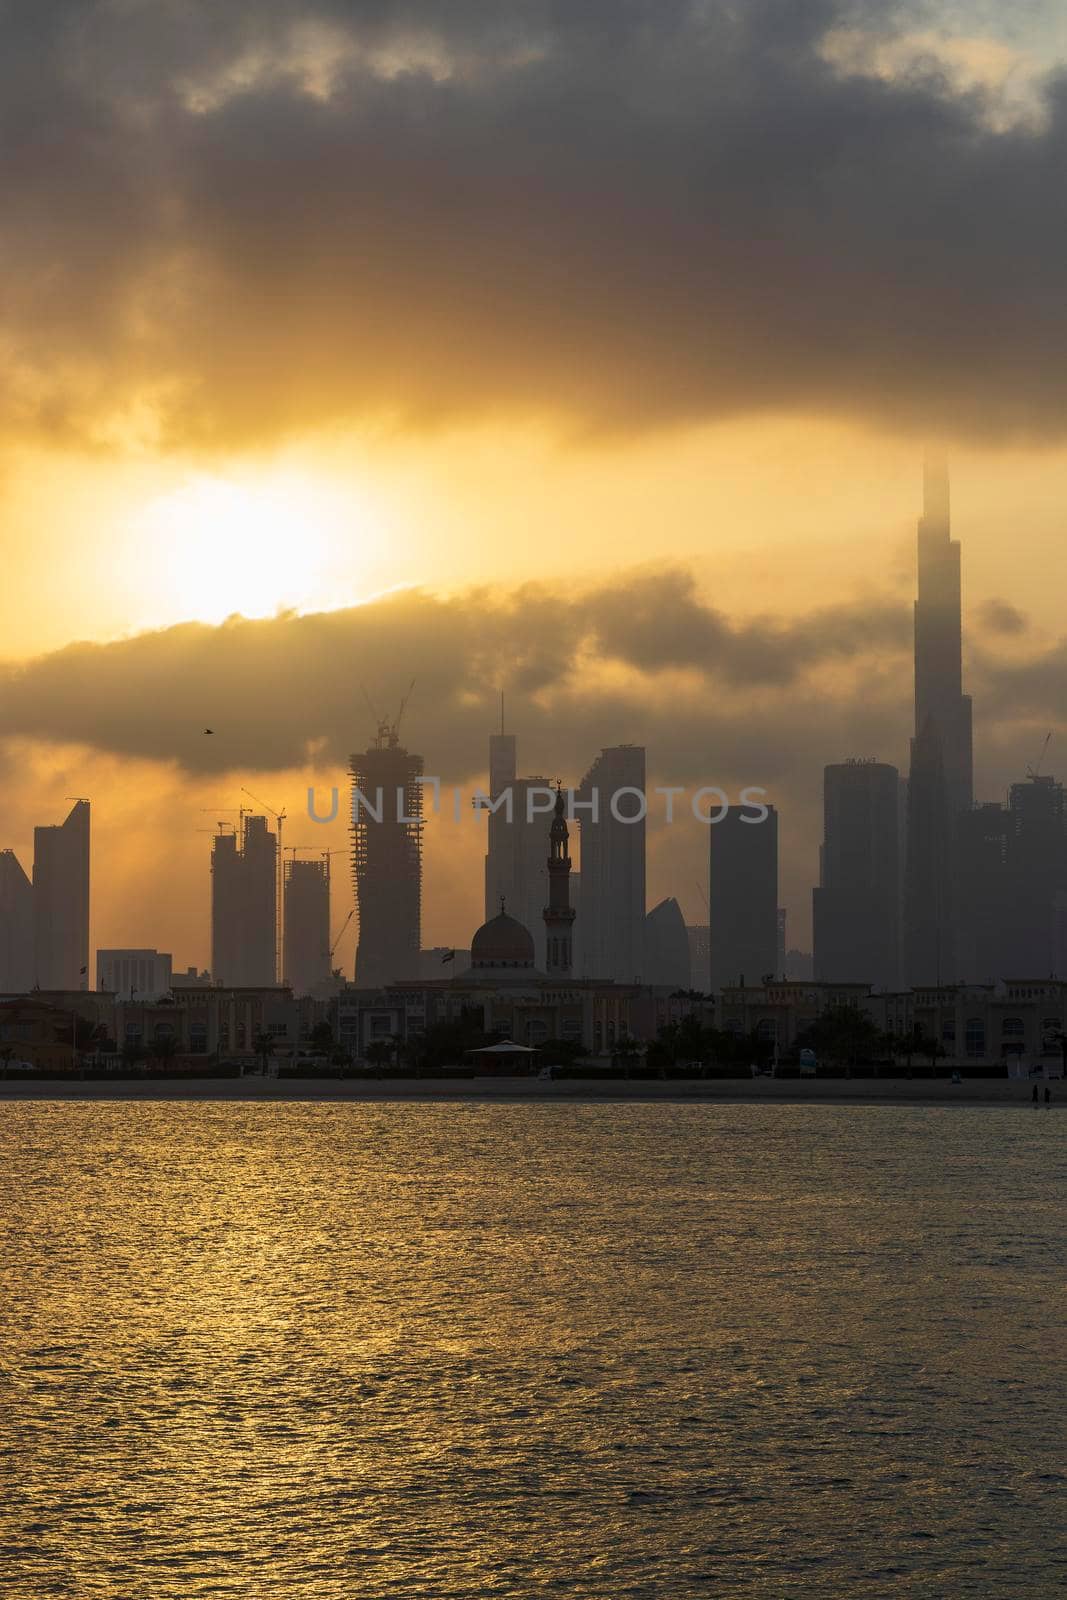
(612, 831)
(939, 698)
(744, 897)
(61, 902)
(16, 926)
(857, 903)
(243, 883)
(941, 782)
(559, 913)
(387, 858)
(307, 923)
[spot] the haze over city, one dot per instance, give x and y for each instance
(373, 342)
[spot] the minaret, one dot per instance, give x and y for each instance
(559, 913)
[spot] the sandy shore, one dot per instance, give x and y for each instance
(855, 1091)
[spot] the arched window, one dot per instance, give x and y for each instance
(767, 1028)
(1013, 1028)
(975, 1037)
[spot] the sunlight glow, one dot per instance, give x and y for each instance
(252, 546)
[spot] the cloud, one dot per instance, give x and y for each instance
(1000, 616)
(643, 657)
(225, 225)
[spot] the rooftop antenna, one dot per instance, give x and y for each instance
(501, 710)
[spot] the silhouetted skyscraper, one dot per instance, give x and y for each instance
(16, 926)
(986, 916)
(743, 896)
(306, 899)
(941, 782)
(243, 905)
(613, 865)
(515, 869)
(857, 904)
(61, 902)
(667, 959)
(1037, 866)
(387, 859)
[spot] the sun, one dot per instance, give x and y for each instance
(215, 547)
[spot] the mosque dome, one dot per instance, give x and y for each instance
(502, 942)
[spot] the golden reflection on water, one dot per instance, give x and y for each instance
(326, 1351)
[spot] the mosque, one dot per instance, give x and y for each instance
(516, 999)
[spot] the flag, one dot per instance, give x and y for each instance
(450, 955)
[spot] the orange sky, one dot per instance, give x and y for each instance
(304, 314)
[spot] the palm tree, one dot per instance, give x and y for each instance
(263, 1045)
(380, 1052)
(164, 1048)
(133, 1052)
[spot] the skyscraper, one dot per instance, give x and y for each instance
(985, 911)
(613, 865)
(857, 903)
(61, 902)
(515, 869)
(306, 917)
(558, 913)
(939, 699)
(667, 957)
(941, 782)
(743, 896)
(387, 859)
(1037, 868)
(243, 905)
(16, 926)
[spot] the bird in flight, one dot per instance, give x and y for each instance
(209, 730)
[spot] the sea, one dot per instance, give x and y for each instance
(322, 1351)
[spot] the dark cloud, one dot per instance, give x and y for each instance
(640, 659)
(1000, 616)
(247, 219)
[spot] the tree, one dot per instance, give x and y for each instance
(321, 1036)
(380, 1052)
(133, 1051)
(1061, 1039)
(164, 1048)
(626, 1051)
(843, 1034)
(263, 1045)
(6, 1055)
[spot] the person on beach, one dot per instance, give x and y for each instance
(1035, 1094)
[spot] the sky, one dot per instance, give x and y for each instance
(585, 352)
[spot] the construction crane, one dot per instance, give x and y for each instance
(341, 931)
(388, 734)
(240, 812)
(279, 817)
(1034, 772)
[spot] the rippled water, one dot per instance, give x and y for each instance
(326, 1351)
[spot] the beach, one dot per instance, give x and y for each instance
(729, 1091)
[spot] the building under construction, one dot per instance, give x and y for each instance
(387, 857)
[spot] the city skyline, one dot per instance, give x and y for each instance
(941, 597)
